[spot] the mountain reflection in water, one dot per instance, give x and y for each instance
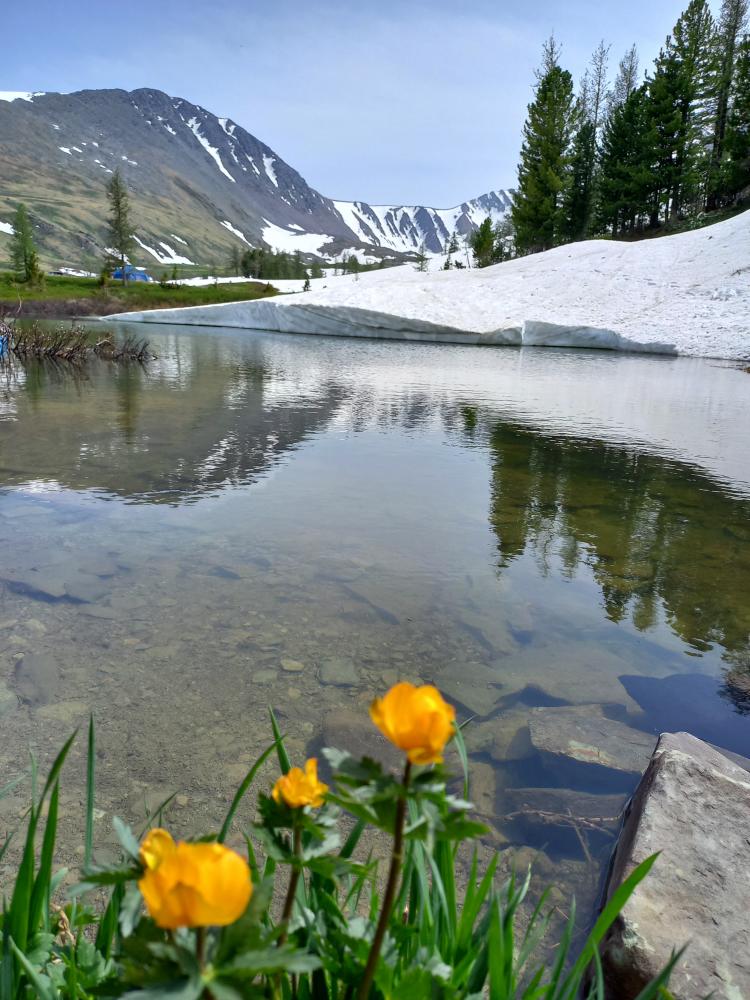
(259, 519)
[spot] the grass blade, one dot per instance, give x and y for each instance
(284, 762)
(90, 787)
(42, 989)
(39, 905)
(57, 766)
(619, 898)
(241, 791)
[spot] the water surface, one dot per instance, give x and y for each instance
(258, 519)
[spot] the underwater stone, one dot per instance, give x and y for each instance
(45, 582)
(292, 666)
(584, 735)
(340, 671)
(37, 678)
(8, 700)
(474, 685)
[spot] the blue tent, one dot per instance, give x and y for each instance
(131, 274)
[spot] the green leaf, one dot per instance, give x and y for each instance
(268, 961)
(186, 989)
(42, 985)
(130, 909)
(126, 838)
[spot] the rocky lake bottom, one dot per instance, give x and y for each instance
(559, 540)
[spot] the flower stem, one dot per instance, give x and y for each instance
(397, 859)
(200, 952)
(293, 881)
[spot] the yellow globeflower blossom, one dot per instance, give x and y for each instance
(415, 719)
(300, 788)
(192, 885)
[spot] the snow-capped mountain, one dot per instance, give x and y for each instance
(407, 228)
(200, 185)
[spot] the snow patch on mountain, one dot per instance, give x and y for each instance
(20, 95)
(166, 256)
(236, 232)
(179, 239)
(290, 241)
(268, 162)
(194, 125)
(6, 227)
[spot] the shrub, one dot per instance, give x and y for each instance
(304, 920)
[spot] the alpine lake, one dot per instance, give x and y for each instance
(559, 540)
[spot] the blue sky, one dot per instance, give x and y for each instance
(396, 101)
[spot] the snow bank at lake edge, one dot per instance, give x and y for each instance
(683, 294)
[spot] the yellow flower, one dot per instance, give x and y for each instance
(301, 788)
(192, 885)
(416, 719)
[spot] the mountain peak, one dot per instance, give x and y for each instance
(195, 179)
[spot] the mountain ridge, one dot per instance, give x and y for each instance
(200, 184)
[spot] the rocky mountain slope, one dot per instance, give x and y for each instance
(200, 185)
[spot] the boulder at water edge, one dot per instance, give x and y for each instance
(692, 805)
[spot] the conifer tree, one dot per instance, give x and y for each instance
(545, 157)
(422, 257)
(627, 184)
(482, 242)
(120, 229)
(579, 199)
(626, 80)
(666, 121)
(692, 45)
(504, 240)
(678, 93)
(736, 167)
(22, 249)
(578, 210)
(732, 21)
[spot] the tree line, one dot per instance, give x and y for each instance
(628, 156)
(625, 156)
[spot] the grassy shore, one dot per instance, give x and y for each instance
(68, 296)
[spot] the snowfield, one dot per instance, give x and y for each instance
(684, 294)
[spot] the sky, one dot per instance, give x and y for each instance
(389, 102)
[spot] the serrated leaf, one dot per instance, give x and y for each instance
(126, 838)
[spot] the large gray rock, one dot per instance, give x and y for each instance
(692, 805)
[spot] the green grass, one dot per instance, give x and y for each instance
(442, 943)
(118, 298)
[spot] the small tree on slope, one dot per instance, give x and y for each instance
(23, 251)
(120, 229)
(482, 242)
